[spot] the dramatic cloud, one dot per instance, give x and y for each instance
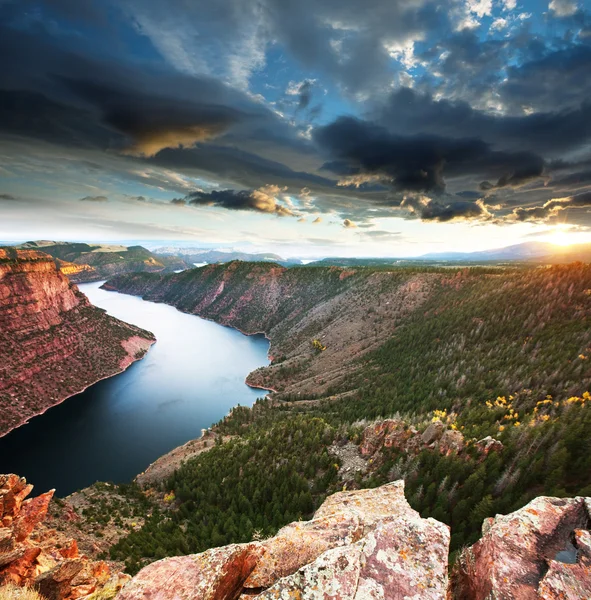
(409, 112)
(418, 163)
(552, 208)
(430, 210)
(324, 110)
(262, 200)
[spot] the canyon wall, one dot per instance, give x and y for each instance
(53, 342)
(319, 320)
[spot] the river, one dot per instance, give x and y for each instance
(189, 379)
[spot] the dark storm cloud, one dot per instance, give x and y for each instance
(418, 163)
(432, 210)
(555, 81)
(153, 122)
(65, 97)
(552, 207)
(261, 200)
(409, 112)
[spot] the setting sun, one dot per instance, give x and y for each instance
(561, 238)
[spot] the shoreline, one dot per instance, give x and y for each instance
(185, 312)
(38, 414)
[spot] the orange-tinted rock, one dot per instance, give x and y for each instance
(31, 555)
(526, 554)
(70, 551)
(394, 433)
(391, 433)
(300, 543)
(56, 583)
(488, 445)
(32, 512)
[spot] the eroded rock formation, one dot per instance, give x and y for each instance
(360, 545)
(33, 555)
(541, 551)
(53, 342)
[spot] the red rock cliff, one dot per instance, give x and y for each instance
(33, 555)
(53, 342)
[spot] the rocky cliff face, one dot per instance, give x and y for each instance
(34, 555)
(359, 545)
(370, 545)
(346, 312)
(541, 551)
(53, 342)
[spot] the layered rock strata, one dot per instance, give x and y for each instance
(53, 342)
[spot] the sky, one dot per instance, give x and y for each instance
(306, 128)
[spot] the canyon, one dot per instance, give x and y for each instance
(53, 342)
(319, 321)
(479, 379)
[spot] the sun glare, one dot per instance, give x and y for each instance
(561, 238)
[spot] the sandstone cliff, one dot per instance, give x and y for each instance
(319, 321)
(31, 554)
(53, 342)
(370, 545)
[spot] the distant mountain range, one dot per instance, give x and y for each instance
(528, 251)
(206, 255)
(531, 252)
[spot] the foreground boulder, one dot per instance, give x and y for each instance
(542, 551)
(360, 545)
(34, 556)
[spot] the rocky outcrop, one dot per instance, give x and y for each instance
(347, 312)
(53, 342)
(360, 545)
(395, 433)
(541, 551)
(34, 556)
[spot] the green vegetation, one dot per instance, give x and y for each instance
(501, 354)
(248, 487)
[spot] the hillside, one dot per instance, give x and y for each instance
(469, 384)
(53, 342)
(92, 262)
(319, 321)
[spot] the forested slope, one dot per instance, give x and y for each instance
(501, 354)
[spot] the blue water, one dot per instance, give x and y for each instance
(189, 379)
